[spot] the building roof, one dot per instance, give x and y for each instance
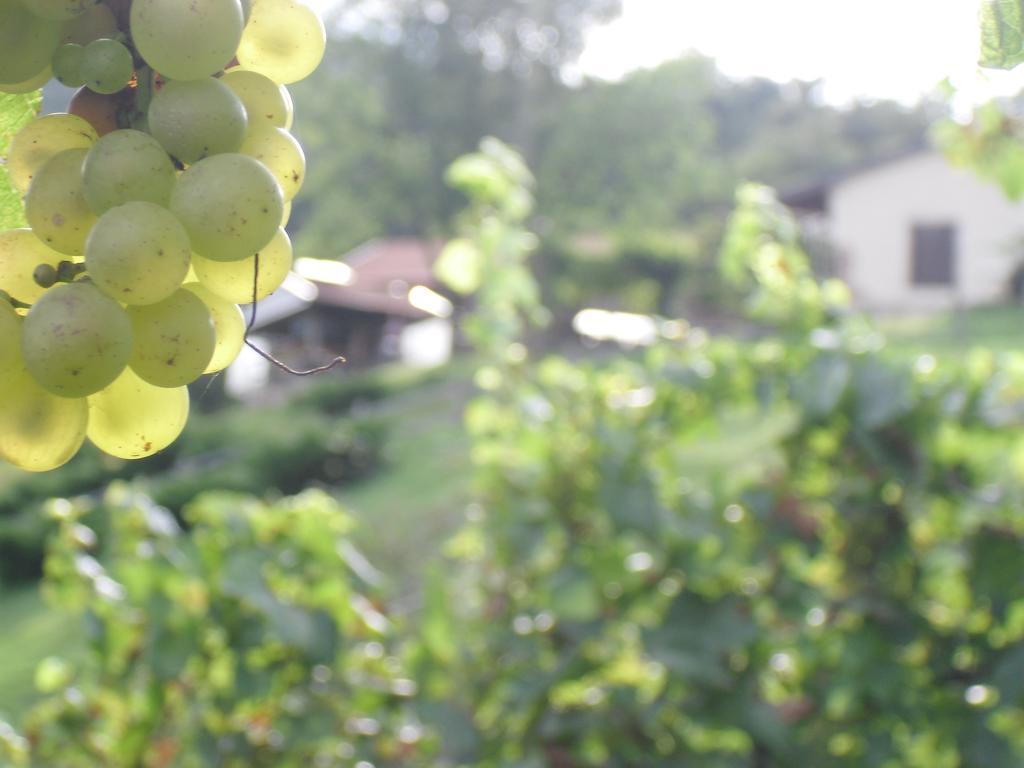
(382, 273)
(371, 302)
(814, 197)
(393, 265)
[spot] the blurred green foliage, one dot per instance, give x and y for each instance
(743, 556)
(764, 262)
(490, 259)
(15, 111)
(664, 272)
(397, 102)
(312, 438)
(791, 551)
(253, 640)
(1002, 34)
(991, 144)
(647, 162)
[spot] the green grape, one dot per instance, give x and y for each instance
(75, 340)
(20, 253)
(174, 340)
(194, 119)
(38, 431)
(40, 140)
(10, 338)
(97, 21)
(67, 65)
(138, 253)
(106, 66)
(230, 206)
(46, 275)
(280, 153)
(284, 40)
(186, 40)
(228, 326)
(27, 42)
(131, 419)
(55, 206)
(263, 99)
(127, 166)
(233, 280)
(287, 214)
(60, 10)
(34, 83)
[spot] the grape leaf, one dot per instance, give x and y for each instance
(461, 266)
(1002, 34)
(16, 109)
(821, 386)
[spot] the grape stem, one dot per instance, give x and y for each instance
(266, 355)
(47, 276)
(68, 271)
(143, 94)
(5, 296)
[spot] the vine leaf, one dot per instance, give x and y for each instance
(1002, 34)
(15, 111)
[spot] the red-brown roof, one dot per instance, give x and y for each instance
(383, 272)
(391, 266)
(368, 301)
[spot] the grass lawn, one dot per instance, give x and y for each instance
(32, 631)
(999, 328)
(407, 511)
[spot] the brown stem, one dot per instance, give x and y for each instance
(5, 296)
(266, 355)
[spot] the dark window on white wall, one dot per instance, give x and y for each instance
(933, 255)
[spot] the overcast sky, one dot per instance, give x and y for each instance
(861, 48)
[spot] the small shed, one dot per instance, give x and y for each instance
(359, 306)
(916, 233)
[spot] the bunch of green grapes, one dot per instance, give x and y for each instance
(155, 207)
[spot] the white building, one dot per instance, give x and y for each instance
(917, 234)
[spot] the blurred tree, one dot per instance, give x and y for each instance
(654, 159)
(519, 35)
(638, 153)
(460, 70)
(684, 136)
(795, 139)
(367, 176)
(407, 87)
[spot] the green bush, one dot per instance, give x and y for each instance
(743, 556)
(280, 449)
(364, 387)
(648, 272)
(739, 555)
(253, 640)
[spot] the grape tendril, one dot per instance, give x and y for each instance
(266, 355)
